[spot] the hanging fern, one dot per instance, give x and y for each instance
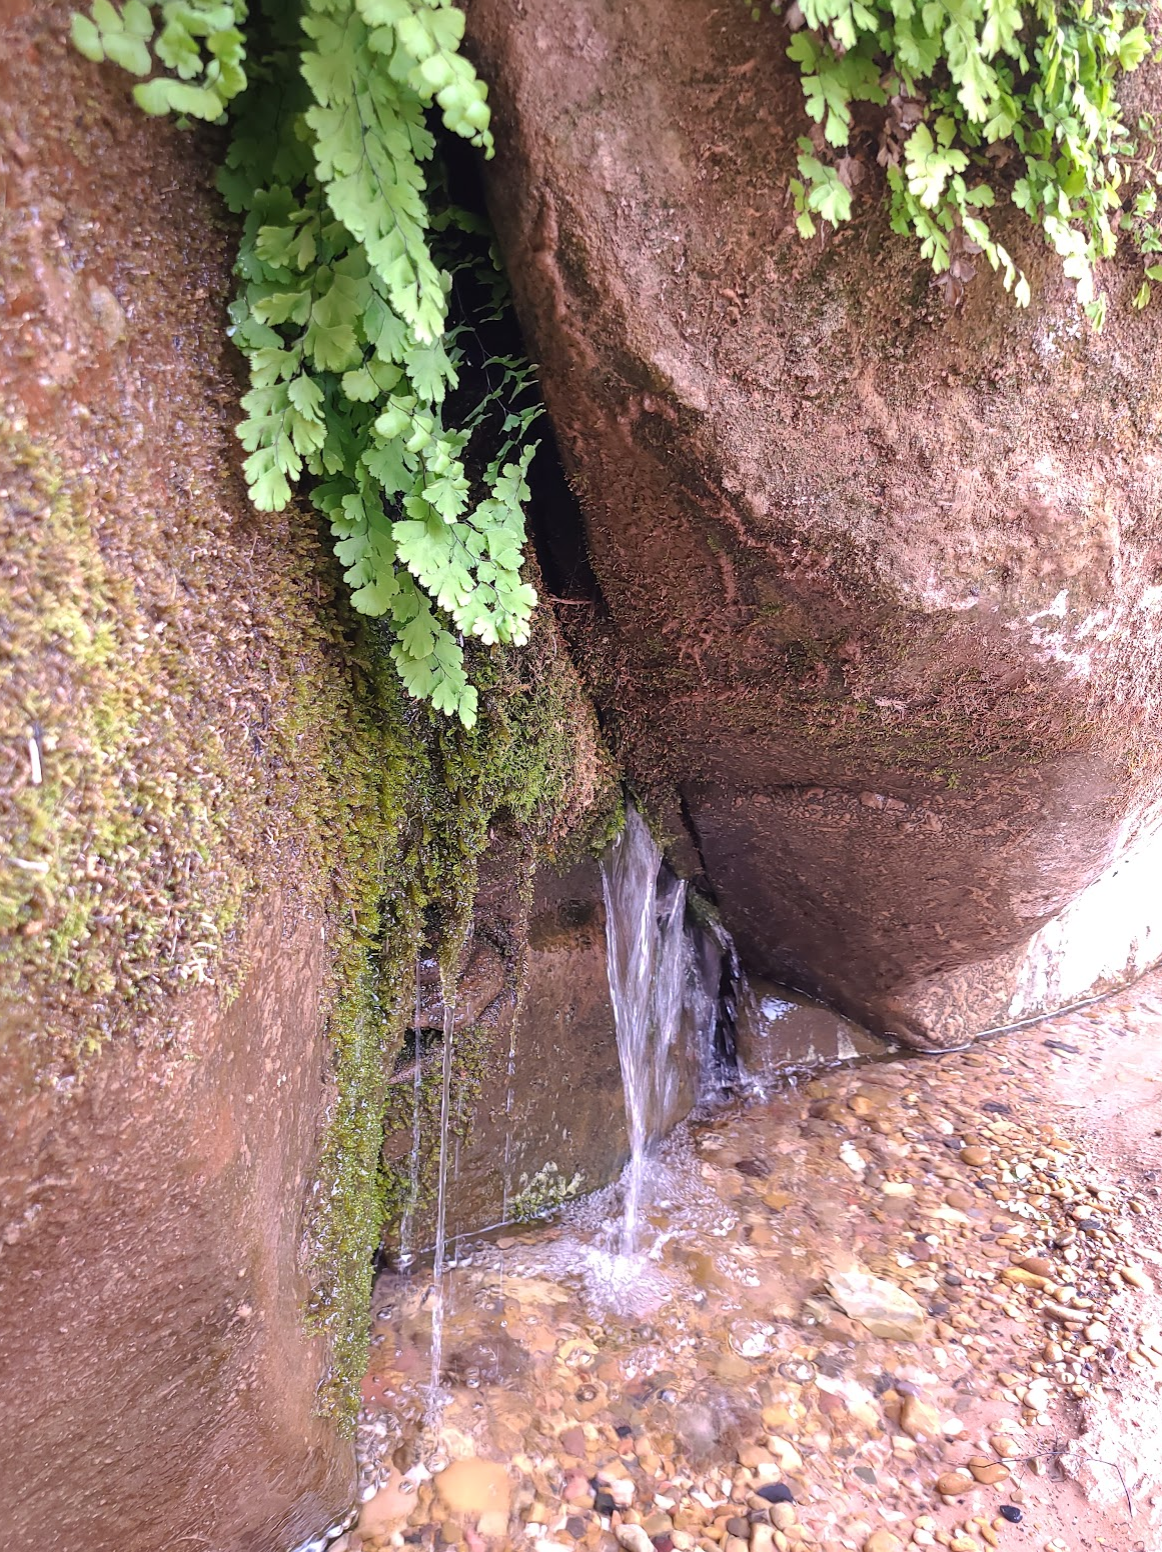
(343, 312)
(977, 99)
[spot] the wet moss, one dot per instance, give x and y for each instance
(109, 901)
(409, 1186)
(543, 1193)
(416, 800)
(130, 864)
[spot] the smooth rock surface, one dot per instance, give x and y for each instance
(551, 1112)
(876, 582)
(474, 1486)
(779, 1033)
(153, 1357)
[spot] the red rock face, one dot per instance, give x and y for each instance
(879, 580)
(159, 1382)
(157, 1377)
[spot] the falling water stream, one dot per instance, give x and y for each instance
(647, 964)
(407, 1226)
(440, 1248)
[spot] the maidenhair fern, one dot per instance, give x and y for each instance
(972, 100)
(343, 312)
(199, 41)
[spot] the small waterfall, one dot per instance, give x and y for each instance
(653, 990)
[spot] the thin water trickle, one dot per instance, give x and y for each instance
(509, 1099)
(439, 1251)
(407, 1226)
(647, 963)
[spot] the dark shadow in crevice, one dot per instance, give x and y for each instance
(557, 529)
(701, 880)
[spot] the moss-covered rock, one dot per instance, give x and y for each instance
(417, 801)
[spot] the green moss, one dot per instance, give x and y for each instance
(543, 1193)
(409, 1187)
(108, 815)
(128, 867)
(415, 800)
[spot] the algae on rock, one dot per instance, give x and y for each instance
(118, 885)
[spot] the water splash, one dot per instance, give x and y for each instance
(647, 964)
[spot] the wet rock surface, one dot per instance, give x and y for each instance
(779, 1033)
(877, 578)
(163, 1059)
(153, 1360)
(547, 1116)
(550, 1116)
(711, 1392)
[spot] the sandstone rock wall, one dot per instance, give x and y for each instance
(164, 1064)
(159, 1383)
(879, 600)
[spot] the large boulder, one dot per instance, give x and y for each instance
(878, 580)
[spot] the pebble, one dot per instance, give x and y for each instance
(975, 1156)
(776, 1493)
(786, 1455)
(1136, 1278)
(954, 1484)
(1062, 1312)
(1022, 1278)
(919, 1419)
(634, 1538)
(754, 1455)
(883, 1541)
(474, 1486)
(885, 1309)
